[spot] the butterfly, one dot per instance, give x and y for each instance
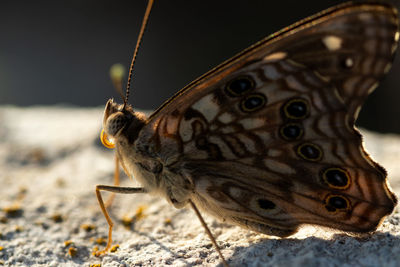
(266, 140)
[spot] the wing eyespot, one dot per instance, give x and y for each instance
(296, 109)
(253, 102)
(334, 203)
(291, 131)
(336, 178)
(265, 204)
(240, 86)
(309, 151)
(347, 63)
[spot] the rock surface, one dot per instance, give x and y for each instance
(50, 161)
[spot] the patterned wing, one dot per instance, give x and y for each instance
(352, 45)
(267, 138)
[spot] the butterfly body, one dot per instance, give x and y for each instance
(267, 140)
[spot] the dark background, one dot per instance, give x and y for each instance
(60, 52)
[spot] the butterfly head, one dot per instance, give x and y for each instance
(120, 120)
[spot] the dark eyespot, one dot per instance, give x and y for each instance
(336, 178)
(335, 202)
(347, 63)
(291, 131)
(309, 152)
(266, 204)
(239, 86)
(253, 102)
(296, 109)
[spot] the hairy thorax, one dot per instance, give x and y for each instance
(142, 158)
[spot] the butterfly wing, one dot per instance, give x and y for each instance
(352, 44)
(267, 138)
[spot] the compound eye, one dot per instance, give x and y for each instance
(115, 123)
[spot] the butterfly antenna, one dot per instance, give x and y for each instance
(139, 40)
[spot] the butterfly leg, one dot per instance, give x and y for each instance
(210, 235)
(110, 199)
(113, 189)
